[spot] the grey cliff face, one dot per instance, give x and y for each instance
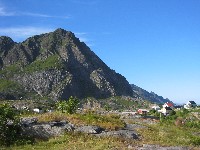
(57, 65)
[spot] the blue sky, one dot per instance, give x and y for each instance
(155, 44)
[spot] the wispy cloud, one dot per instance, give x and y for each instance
(85, 2)
(42, 15)
(83, 37)
(3, 12)
(21, 33)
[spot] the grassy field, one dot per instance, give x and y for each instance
(77, 141)
(170, 136)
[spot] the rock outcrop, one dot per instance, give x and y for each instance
(44, 131)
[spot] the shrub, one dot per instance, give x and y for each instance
(69, 106)
(9, 125)
(107, 107)
(61, 106)
(172, 113)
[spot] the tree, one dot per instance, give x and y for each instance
(69, 106)
(72, 105)
(62, 106)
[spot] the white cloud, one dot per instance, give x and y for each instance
(21, 33)
(85, 2)
(42, 15)
(3, 12)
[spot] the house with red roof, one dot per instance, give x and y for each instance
(168, 104)
(142, 111)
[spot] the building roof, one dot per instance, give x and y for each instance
(169, 104)
(168, 108)
(155, 106)
(178, 106)
(192, 102)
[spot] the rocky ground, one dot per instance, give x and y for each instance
(46, 130)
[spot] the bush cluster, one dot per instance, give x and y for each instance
(9, 125)
(69, 106)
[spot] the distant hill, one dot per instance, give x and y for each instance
(55, 65)
(145, 95)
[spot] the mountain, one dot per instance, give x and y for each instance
(55, 65)
(145, 95)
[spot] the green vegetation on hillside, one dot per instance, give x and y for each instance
(123, 103)
(9, 86)
(51, 62)
(10, 71)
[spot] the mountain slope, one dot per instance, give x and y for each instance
(56, 65)
(145, 95)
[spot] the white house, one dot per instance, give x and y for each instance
(142, 111)
(166, 110)
(37, 110)
(156, 107)
(190, 104)
(168, 104)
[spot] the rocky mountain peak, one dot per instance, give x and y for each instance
(4, 39)
(57, 65)
(63, 32)
(5, 43)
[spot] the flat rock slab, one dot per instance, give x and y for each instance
(47, 130)
(89, 129)
(121, 134)
(26, 121)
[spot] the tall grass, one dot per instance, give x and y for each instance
(78, 141)
(109, 122)
(169, 135)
